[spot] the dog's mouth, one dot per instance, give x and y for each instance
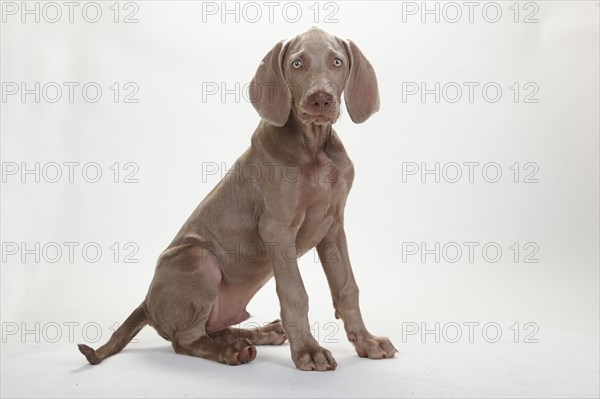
(323, 118)
(319, 119)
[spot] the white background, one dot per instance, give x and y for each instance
(173, 53)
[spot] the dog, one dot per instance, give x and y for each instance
(206, 277)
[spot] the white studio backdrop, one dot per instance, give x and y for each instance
(475, 203)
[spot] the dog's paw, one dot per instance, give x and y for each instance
(275, 334)
(314, 358)
(373, 347)
(240, 352)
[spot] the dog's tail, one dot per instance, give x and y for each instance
(120, 338)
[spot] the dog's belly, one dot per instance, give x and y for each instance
(229, 308)
(239, 283)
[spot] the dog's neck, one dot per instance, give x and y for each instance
(312, 137)
(316, 137)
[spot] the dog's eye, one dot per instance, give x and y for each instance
(296, 64)
(337, 62)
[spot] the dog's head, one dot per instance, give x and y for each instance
(307, 75)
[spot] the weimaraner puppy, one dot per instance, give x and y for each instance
(253, 226)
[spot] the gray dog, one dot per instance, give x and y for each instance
(249, 229)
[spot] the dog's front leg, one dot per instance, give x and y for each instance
(307, 354)
(333, 253)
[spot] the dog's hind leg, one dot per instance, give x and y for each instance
(270, 334)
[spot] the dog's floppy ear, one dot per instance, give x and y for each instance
(361, 93)
(269, 92)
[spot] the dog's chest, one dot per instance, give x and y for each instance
(328, 175)
(325, 186)
(324, 173)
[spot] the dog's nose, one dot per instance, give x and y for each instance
(320, 101)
